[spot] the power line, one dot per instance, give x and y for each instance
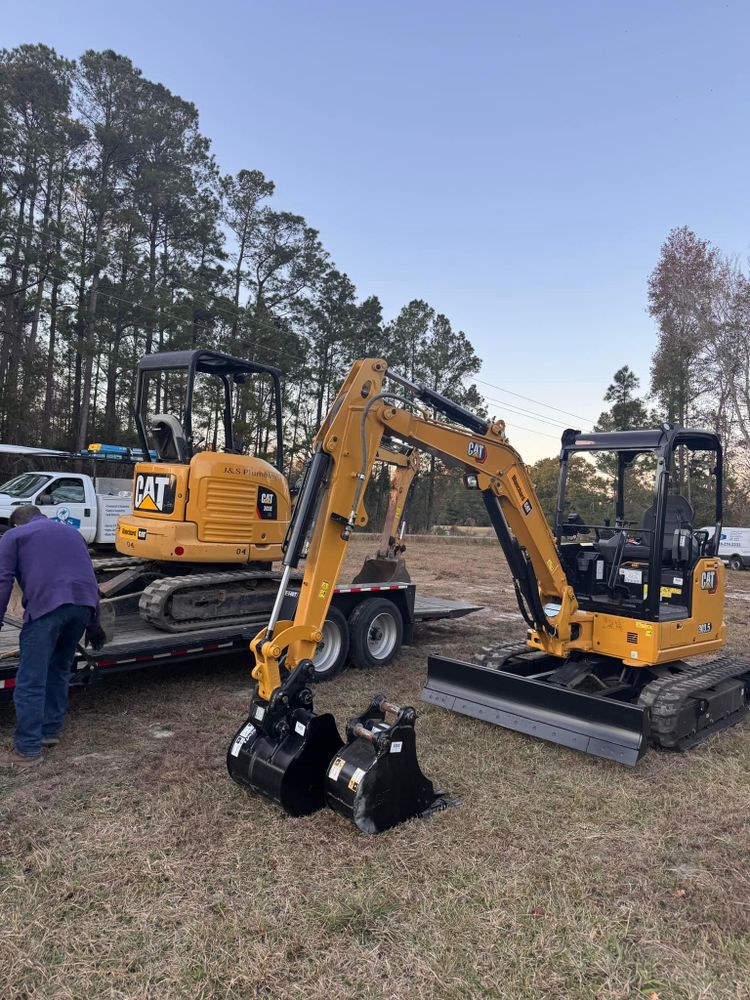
(539, 402)
(534, 415)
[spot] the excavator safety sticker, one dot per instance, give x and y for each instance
(396, 747)
(335, 769)
(324, 588)
(355, 779)
(246, 733)
(300, 729)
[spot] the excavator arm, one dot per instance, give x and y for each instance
(285, 750)
(331, 505)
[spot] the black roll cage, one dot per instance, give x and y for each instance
(627, 445)
(222, 366)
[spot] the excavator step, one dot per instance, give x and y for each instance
(603, 727)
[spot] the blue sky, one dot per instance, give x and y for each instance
(517, 165)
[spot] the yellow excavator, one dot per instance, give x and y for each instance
(208, 520)
(614, 610)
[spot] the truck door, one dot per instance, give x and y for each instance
(65, 500)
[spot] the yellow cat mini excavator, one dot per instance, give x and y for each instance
(614, 611)
(208, 519)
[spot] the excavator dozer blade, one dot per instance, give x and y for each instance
(594, 725)
(376, 570)
(375, 779)
(290, 770)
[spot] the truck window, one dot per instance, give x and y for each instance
(67, 491)
(24, 485)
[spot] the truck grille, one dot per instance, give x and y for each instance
(227, 511)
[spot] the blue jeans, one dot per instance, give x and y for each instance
(47, 647)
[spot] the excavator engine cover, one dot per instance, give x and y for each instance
(282, 751)
(375, 779)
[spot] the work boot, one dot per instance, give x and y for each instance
(19, 761)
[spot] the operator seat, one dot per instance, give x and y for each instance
(169, 438)
(679, 516)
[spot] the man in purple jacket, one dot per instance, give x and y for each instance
(61, 601)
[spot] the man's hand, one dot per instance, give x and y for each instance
(95, 637)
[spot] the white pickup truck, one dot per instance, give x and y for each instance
(91, 506)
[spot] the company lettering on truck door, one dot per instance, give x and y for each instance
(154, 493)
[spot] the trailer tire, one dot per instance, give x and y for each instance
(376, 630)
(333, 650)
(735, 562)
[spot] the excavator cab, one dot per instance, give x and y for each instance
(203, 500)
(637, 558)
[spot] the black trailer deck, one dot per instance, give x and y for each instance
(137, 644)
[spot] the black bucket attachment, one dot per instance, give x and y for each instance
(376, 570)
(593, 724)
(284, 748)
(375, 780)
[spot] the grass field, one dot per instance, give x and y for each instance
(131, 867)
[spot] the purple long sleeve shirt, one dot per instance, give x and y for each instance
(52, 565)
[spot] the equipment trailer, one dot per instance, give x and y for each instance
(137, 644)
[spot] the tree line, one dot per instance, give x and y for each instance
(699, 299)
(121, 236)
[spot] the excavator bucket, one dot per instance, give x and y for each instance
(376, 570)
(590, 723)
(287, 768)
(375, 779)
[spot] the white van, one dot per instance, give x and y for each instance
(734, 547)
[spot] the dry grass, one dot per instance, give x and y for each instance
(131, 867)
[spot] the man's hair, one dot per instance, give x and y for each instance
(24, 514)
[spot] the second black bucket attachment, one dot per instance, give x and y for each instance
(283, 749)
(590, 723)
(385, 570)
(375, 779)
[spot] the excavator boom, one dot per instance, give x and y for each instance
(283, 749)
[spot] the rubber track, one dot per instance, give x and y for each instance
(665, 696)
(153, 605)
(497, 655)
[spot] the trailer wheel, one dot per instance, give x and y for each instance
(333, 648)
(376, 630)
(736, 563)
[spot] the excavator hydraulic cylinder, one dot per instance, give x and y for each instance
(375, 779)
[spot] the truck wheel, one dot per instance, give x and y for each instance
(333, 648)
(736, 563)
(376, 630)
